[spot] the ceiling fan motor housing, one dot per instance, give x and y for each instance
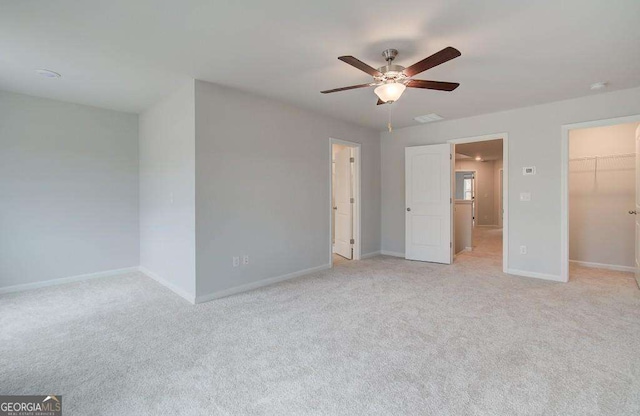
(390, 72)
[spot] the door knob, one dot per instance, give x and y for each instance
(408, 209)
(633, 212)
(335, 207)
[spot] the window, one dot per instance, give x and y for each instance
(468, 189)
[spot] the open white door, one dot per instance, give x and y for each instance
(429, 231)
(637, 209)
(343, 209)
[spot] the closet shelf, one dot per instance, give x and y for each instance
(623, 161)
(620, 156)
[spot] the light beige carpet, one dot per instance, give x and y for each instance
(381, 336)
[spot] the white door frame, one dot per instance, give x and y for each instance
(505, 186)
(501, 196)
(564, 182)
(357, 246)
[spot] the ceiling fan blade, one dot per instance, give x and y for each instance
(360, 65)
(436, 59)
(380, 102)
(433, 85)
(352, 87)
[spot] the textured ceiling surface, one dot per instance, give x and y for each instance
(126, 55)
(487, 150)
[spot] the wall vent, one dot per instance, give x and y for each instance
(429, 118)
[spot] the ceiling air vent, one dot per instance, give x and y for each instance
(429, 118)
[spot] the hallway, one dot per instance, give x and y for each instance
(487, 244)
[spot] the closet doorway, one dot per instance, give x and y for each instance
(599, 195)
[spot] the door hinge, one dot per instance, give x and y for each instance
(450, 156)
(450, 244)
(353, 200)
(352, 159)
(451, 200)
(352, 241)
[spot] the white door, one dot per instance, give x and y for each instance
(343, 208)
(637, 208)
(429, 231)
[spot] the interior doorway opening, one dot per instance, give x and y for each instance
(430, 187)
(345, 201)
(465, 189)
(478, 204)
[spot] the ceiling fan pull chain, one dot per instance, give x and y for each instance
(389, 123)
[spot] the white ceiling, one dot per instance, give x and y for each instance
(127, 54)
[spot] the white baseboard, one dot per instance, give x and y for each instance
(536, 275)
(259, 284)
(603, 266)
(178, 291)
(64, 280)
(369, 255)
(392, 253)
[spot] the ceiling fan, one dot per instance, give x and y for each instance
(391, 80)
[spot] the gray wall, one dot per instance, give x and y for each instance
(68, 190)
(167, 191)
(463, 218)
(534, 140)
(485, 212)
(600, 228)
(262, 181)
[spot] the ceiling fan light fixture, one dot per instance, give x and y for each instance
(390, 92)
(391, 80)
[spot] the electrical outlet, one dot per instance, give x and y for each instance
(245, 259)
(523, 249)
(525, 196)
(236, 261)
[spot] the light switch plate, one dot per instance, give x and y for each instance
(525, 196)
(529, 170)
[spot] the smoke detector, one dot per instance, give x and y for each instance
(598, 85)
